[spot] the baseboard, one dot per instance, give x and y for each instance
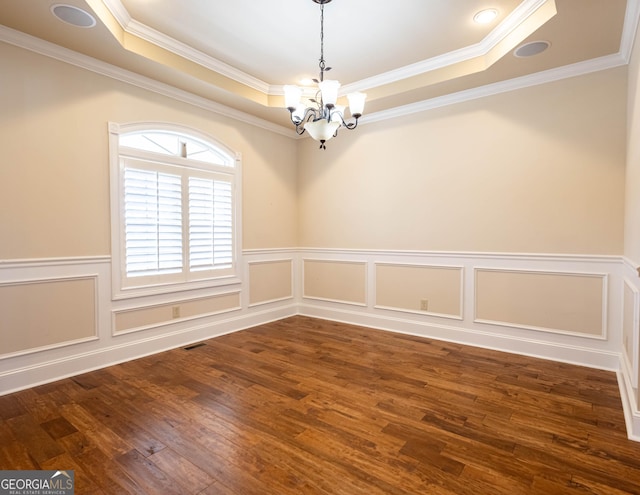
(571, 354)
(46, 371)
(629, 405)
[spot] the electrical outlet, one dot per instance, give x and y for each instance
(424, 304)
(175, 311)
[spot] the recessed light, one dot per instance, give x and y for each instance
(485, 16)
(531, 49)
(73, 15)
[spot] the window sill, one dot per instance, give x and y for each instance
(168, 288)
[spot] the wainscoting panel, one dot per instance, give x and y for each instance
(630, 330)
(270, 281)
(46, 313)
(155, 315)
(572, 303)
(629, 371)
(422, 289)
(335, 281)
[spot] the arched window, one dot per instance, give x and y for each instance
(175, 209)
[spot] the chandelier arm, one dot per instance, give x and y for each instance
(348, 125)
(351, 125)
(310, 114)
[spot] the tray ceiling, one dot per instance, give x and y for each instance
(401, 53)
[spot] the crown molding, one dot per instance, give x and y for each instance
(551, 75)
(521, 13)
(51, 50)
(119, 12)
(185, 51)
(631, 20)
(135, 28)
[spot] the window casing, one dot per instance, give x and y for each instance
(175, 210)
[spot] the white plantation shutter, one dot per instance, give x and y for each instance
(210, 224)
(153, 222)
(223, 219)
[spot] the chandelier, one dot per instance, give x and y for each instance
(324, 117)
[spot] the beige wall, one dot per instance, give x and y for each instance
(54, 178)
(534, 170)
(632, 197)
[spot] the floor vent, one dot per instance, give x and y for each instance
(194, 346)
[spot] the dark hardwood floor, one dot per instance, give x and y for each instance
(306, 406)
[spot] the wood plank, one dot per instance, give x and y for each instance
(189, 477)
(40, 445)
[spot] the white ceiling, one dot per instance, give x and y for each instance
(278, 41)
(401, 52)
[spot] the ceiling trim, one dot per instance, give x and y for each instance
(51, 50)
(544, 77)
(629, 30)
(113, 17)
(118, 11)
(157, 38)
(525, 18)
(500, 33)
(135, 28)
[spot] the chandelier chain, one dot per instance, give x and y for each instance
(322, 62)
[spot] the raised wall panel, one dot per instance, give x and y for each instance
(573, 303)
(403, 287)
(630, 330)
(338, 281)
(39, 314)
(270, 281)
(151, 316)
